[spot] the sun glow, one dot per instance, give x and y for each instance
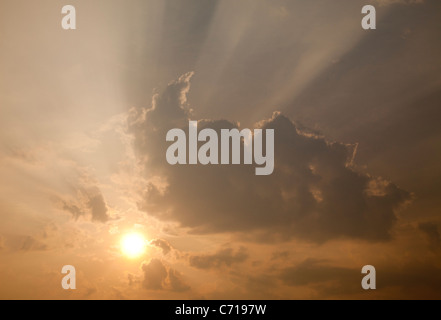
(133, 245)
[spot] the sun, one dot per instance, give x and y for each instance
(133, 245)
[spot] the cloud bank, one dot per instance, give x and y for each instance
(315, 192)
(159, 277)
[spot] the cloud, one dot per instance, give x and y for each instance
(2, 243)
(32, 244)
(159, 277)
(133, 279)
(415, 280)
(222, 258)
(175, 281)
(162, 244)
(97, 206)
(432, 234)
(312, 271)
(155, 275)
(315, 193)
(89, 201)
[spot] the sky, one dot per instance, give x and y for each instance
(84, 114)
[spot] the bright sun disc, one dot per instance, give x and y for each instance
(133, 245)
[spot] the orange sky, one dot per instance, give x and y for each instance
(83, 118)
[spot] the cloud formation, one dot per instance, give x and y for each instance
(162, 244)
(159, 277)
(315, 193)
(89, 201)
(222, 258)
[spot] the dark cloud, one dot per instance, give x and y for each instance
(162, 244)
(315, 192)
(97, 206)
(32, 244)
(89, 201)
(388, 121)
(432, 234)
(416, 280)
(313, 271)
(222, 258)
(159, 277)
(155, 275)
(175, 281)
(73, 209)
